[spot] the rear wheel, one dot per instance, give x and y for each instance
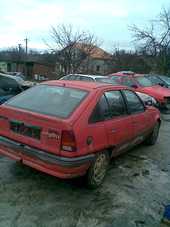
(97, 170)
(151, 140)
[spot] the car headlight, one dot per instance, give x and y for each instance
(147, 99)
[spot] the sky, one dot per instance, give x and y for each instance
(106, 19)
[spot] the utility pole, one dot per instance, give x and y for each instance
(26, 45)
(26, 51)
(19, 47)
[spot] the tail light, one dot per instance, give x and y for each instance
(68, 142)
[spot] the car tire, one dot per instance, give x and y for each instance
(151, 140)
(97, 171)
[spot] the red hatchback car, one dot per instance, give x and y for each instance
(73, 128)
(142, 84)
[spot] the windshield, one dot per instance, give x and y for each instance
(49, 100)
(154, 79)
(144, 82)
(166, 79)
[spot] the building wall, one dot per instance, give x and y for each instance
(96, 66)
(43, 70)
(99, 66)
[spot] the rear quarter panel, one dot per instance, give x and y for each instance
(154, 115)
(85, 131)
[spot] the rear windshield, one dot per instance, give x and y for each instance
(50, 100)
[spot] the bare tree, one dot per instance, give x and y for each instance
(128, 60)
(154, 41)
(71, 47)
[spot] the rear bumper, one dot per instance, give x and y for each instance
(64, 167)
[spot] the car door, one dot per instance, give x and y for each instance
(138, 112)
(119, 124)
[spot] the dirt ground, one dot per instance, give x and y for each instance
(135, 191)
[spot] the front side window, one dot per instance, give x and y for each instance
(134, 104)
(49, 100)
(110, 105)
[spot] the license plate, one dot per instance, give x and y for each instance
(21, 128)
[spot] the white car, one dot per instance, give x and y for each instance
(88, 78)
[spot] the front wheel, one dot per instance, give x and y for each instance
(97, 170)
(151, 140)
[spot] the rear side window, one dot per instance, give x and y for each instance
(85, 78)
(49, 100)
(134, 104)
(101, 112)
(116, 103)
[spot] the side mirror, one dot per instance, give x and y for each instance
(134, 86)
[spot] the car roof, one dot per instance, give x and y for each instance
(122, 73)
(81, 84)
(127, 75)
(87, 75)
(9, 76)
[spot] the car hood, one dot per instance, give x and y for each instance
(155, 91)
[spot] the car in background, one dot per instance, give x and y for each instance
(148, 100)
(88, 78)
(11, 86)
(142, 84)
(71, 128)
(16, 74)
(161, 80)
(123, 73)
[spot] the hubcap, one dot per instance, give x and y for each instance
(100, 168)
(155, 132)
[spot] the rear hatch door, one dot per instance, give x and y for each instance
(36, 130)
